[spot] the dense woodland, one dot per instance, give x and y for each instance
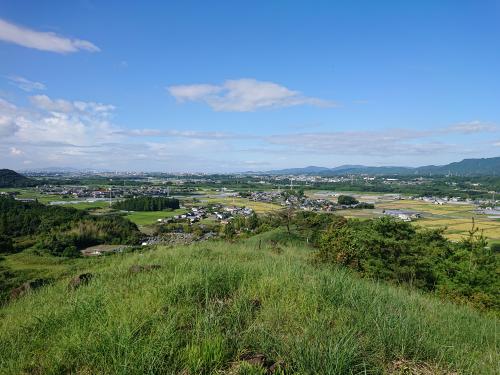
(146, 203)
(57, 230)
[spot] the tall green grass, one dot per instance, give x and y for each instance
(211, 304)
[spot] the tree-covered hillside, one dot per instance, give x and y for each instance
(10, 178)
(58, 230)
(466, 167)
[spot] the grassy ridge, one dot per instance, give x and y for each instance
(211, 303)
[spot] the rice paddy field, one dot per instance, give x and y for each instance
(455, 218)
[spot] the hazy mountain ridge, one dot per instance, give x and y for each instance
(472, 167)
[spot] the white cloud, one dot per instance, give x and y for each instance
(244, 95)
(185, 93)
(42, 40)
(66, 106)
(7, 126)
(15, 151)
(61, 132)
(57, 123)
(472, 127)
(25, 84)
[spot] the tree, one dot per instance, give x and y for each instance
(347, 200)
(285, 216)
(341, 244)
(252, 221)
(229, 231)
(6, 245)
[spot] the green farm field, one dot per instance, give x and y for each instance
(151, 217)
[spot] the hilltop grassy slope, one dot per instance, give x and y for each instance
(212, 304)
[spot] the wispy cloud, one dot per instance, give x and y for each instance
(25, 84)
(244, 95)
(385, 143)
(66, 106)
(472, 127)
(42, 40)
(194, 134)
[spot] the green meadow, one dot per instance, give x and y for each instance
(213, 307)
(151, 217)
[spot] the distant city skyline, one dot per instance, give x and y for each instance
(228, 87)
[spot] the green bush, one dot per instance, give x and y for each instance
(393, 250)
(347, 200)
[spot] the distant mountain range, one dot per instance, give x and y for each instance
(10, 178)
(466, 167)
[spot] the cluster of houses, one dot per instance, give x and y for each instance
(104, 192)
(441, 200)
(222, 214)
(404, 215)
(300, 202)
(324, 205)
(491, 212)
(195, 215)
(265, 196)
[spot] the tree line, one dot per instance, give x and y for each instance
(147, 204)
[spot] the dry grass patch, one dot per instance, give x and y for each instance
(406, 367)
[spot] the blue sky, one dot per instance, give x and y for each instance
(235, 86)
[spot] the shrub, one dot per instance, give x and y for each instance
(347, 200)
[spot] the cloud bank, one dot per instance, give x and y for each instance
(61, 132)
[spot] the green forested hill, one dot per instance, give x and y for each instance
(10, 178)
(466, 167)
(239, 308)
